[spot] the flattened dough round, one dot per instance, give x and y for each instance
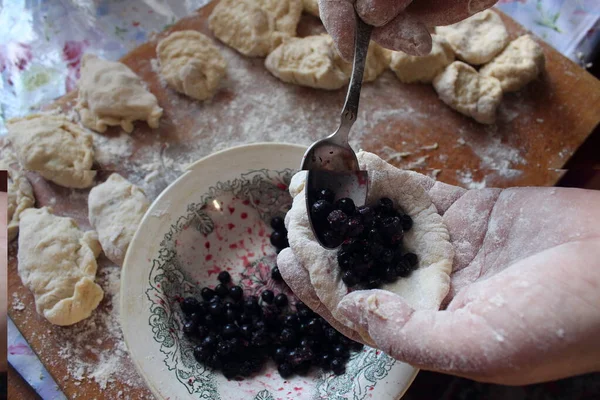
(191, 63)
(57, 263)
(477, 39)
(426, 287)
(255, 27)
(520, 63)
(20, 193)
(54, 147)
(461, 87)
(411, 69)
(115, 209)
(111, 94)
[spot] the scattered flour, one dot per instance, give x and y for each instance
(17, 304)
(466, 178)
(110, 150)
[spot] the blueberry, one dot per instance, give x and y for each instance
(411, 259)
(345, 260)
(280, 354)
(321, 209)
(259, 338)
(285, 370)
(407, 222)
(216, 309)
(301, 306)
(314, 327)
(246, 330)
(202, 331)
(390, 274)
(340, 351)
(251, 305)
(386, 256)
(267, 296)
(276, 275)
(215, 299)
(190, 327)
(287, 336)
(403, 269)
(356, 346)
(230, 331)
(223, 349)
(396, 240)
(196, 318)
(236, 293)
(338, 366)
(221, 290)
(376, 250)
(346, 205)
(224, 277)
(259, 325)
(331, 239)
(210, 341)
(278, 224)
(305, 313)
(354, 227)
(201, 354)
(366, 214)
(291, 321)
(373, 236)
(324, 361)
(360, 270)
(390, 226)
(214, 362)
(189, 305)
(326, 194)
(308, 342)
(337, 220)
(207, 293)
(210, 321)
(281, 300)
(279, 239)
(385, 206)
(349, 278)
(373, 282)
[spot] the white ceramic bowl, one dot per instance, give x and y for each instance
(214, 217)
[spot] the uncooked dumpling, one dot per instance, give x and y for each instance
(57, 263)
(191, 63)
(111, 94)
(477, 39)
(115, 209)
(255, 27)
(411, 69)
(20, 192)
(520, 63)
(54, 147)
(461, 87)
(426, 287)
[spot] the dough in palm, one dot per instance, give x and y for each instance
(54, 147)
(115, 209)
(110, 94)
(423, 69)
(426, 287)
(57, 263)
(255, 27)
(191, 63)
(20, 193)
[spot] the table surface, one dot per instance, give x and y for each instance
(538, 130)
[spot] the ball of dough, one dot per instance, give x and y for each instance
(57, 262)
(54, 147)
(255, 27)
(20, 193)
(520, 63)
(311, 7)
(191, 63)
(115, 209)
(463, 89)
(477, 39)
(112, 94)
(411, 69)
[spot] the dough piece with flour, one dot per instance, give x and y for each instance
(115, 209)
(311, 7)
(313, 61)
(520, 63)
(477, 39)
(426, 287)
(411, 69)
(191, 63)
(20, 193)
(463, 89)
(54, 147)
(57, 263)
(255, 27)
(111, 94)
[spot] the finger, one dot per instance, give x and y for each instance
(338, 18)
(380, 12)
(404, 33)
(446, 12)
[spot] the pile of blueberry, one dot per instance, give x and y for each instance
(238, 334)
(370, 237)
(279, 235)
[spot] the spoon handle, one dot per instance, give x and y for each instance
(362, 38)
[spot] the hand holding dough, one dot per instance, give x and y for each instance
(57, 262)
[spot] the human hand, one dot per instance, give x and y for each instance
(524, 302)
(399, 24)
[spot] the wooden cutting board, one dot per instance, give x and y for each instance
(538, 129)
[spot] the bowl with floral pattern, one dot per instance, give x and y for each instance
(216, 217)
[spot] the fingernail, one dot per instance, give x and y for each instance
(479, 5)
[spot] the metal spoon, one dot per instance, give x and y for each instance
(331, 162)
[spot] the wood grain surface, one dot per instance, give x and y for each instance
(538, 129)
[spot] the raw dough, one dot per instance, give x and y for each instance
(56, 148)
(410, 69)
(255, 27)
(20, 193)
(311, 7)
(520, 63)
(477, 39)
(112, 94)
(57, 262)
(426, 287)
(313, 61)
(463, 89)
(191, 63)
(115, 209)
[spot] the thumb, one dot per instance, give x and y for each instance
(456, 342)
